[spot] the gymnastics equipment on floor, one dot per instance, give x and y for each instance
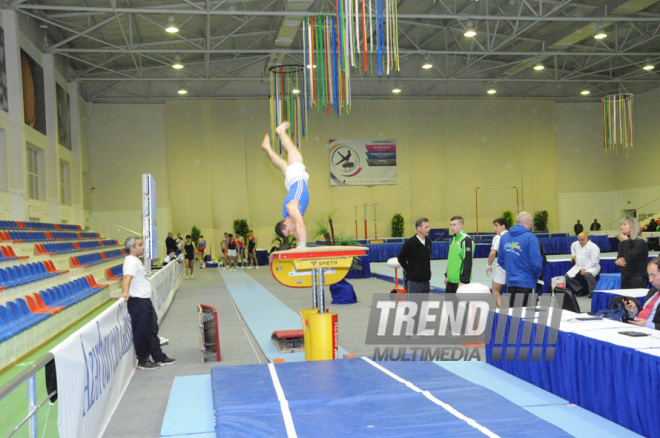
(316, 267)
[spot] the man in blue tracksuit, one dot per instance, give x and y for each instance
(520, 256)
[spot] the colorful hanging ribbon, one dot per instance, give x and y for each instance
(288, 89)
(618, 122)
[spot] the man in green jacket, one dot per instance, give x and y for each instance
(459, 260)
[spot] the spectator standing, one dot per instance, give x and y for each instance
(595, 226)
(633, 255)
(225, 242)
(179, 243)
(520, 256)
(189, 250)
(252, 250)
(170, 243)
(231, 251)
(415, 259)
(578, 228)
(136, 289)
(586, 258)
(499, 276)
(201, 247)
(459, 260)
(652, 226)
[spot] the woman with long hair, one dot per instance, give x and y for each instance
(633, 255)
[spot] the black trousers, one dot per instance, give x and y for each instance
(634, 282)
(515, 290)
(451, 288)
(144, 322)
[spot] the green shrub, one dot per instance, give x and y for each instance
(397, 225)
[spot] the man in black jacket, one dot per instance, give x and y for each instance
(170, 243)
(648, 316)
(415, 259)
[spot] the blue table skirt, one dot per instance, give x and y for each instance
(618, 383)
(382, 252)
(365, 264)
(562, 245)
(609, 282)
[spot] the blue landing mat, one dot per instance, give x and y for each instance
(264, 313)
(189, 410)
(352, 397)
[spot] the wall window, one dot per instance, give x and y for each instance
(65, 183)
(33, 173)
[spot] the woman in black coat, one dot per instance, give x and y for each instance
(633, 256)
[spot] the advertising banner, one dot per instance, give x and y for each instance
(94, 367)
(363, 162)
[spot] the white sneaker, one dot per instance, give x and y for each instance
(256, 267)
(187, 277)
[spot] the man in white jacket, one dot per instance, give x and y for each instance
(586, 256)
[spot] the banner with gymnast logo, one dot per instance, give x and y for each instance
(362, 162)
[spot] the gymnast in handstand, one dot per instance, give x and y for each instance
(295, 180)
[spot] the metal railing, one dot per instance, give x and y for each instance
(111, 230)
(642, 212)
(29, 375)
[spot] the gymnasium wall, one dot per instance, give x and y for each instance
(207, 154)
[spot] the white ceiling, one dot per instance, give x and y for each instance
(119, 51)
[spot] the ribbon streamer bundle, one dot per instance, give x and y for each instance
(360, 30)
(618, 122)
(287, 101)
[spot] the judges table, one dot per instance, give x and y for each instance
(596, 367)
(601, 298)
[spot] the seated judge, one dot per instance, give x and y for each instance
(586, 258)
(648, 316)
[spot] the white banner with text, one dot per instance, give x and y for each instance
(94, 367)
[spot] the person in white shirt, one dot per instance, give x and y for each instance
(586, 256)
(499, 277)
(136, 290)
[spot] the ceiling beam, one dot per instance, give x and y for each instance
(167, 10)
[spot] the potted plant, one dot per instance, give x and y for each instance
(195, 233)
(508, 218)
(397, 225)
(541, 220)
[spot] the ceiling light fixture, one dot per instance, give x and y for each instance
(585, 92)
(171, 25)
(469, 30)
(600, 33)
(182, 90)
(177, 63)
(648, 66)
(491, 90)
(311, 66)
(295, 91)
(427, 63)
(396, 89)
(539, 66)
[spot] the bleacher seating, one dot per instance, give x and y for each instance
(26, 300)
(115, 273)
(85, 260)
(7, 253)
(18, 275)
(70, 293)
(23, 313)
(65, 247)
(20, 225)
